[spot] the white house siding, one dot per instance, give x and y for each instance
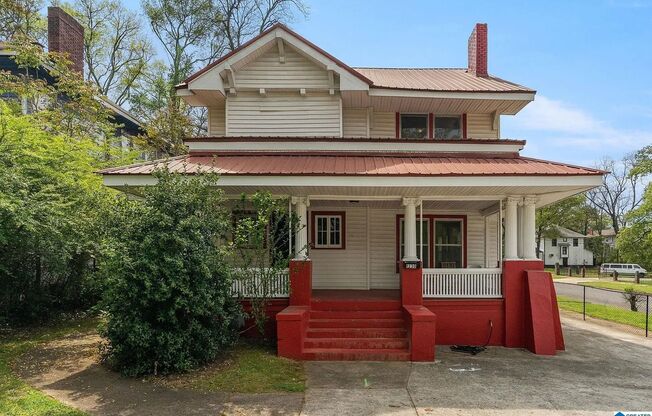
(268, 72)
(491, 240)
(480, 126)
(216, 121)
(347, 269)
(384, 125)
(283, 114)
(577, 256)
(354, 122)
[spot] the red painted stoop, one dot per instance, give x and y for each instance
(361, 330)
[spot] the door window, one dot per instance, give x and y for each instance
(449, 245)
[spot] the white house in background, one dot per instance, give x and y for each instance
(567, 249)
(608, 236)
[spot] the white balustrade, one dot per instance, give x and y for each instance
(252, 284)
(462, 283)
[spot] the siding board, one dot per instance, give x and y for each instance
(354, 122)
(383, 125)
(480, 126)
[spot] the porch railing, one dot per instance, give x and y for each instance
(253, 284)
(462, 283)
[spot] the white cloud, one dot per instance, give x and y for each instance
(564, 125)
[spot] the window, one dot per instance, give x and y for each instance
(576, 242)
(328, 229)
(414, 126)
(447, 127)
(448, 244)
(564, 250)
(423, 241)
(554, 242)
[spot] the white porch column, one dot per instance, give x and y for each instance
(301, 240)
(410, 229)
(529, 228)
(519, 226)
(511, 227)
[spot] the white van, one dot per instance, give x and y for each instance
(621, 268)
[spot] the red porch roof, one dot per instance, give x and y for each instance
(357, 165)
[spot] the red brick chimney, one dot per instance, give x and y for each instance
(66, 35)
(478, 50)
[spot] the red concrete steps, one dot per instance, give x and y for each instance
(332, 314)
(355, 305)
(358, 343)
(356, 333)
(354, 354)
(356, 323)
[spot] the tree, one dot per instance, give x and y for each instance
(168, 296)
(50, 207)
(619, 192)
(116, 49)
(244, 19)
(22, 18)
(261, 252)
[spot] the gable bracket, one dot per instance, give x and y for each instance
(331, 82)
(230, 76)
(496, 120)
(281, 49)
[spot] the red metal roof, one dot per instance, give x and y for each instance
(437, 79)
(356, 165)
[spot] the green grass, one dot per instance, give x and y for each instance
(605, 312)
(249, 368)
(16, 397)
(639, 288)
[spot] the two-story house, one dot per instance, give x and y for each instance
(566, 248)
(417, 218)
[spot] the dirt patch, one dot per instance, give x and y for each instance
(68, 370)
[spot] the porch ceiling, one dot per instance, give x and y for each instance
(396, 204)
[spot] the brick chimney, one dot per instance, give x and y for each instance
(66, 35)
(478, 50)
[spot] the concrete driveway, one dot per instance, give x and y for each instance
(600, 373)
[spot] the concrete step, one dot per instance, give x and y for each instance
(360, 354)
(356, 333)
(357, 343)
(356, 314)
(355, 305)
(356, 323)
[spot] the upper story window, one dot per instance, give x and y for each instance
(414, 126)
(448, 127)
(576, 242)
(554, 242)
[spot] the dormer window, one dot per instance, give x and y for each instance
(414, 126)
(448, 127)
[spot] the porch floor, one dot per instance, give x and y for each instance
(337, 294)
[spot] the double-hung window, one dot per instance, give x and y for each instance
(449, 244)
(448, 127)
(414, 126)
(328, 230)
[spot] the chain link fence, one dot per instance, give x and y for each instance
(629, 309)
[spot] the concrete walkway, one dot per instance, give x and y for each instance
(602, 371)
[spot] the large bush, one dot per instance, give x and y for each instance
(168, 287)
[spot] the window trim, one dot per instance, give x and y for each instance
(313, 229)
(576, 242)
(434, 125)
(431, 235)
(553, 242)
(400, 126)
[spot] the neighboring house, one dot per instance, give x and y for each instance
(66, 35)
(608, 236)
(401, 182)
(567, 248)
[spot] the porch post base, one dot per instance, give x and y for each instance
(411, 285)
(300, 282)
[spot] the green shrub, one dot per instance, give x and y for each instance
(168, 287)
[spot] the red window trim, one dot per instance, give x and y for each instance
(398, 125)
(431, 246)
(464, 126)
(431, 125)
(313, 214)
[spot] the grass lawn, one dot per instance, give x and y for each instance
(608, 313)
(249, 368)
(16, 397)
(640, 288)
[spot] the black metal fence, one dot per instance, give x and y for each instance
(628, 309)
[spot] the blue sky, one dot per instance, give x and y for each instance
(589, 61)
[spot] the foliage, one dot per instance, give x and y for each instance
(22, 18)
(16, 397)
(116, 49)
(633, 298)
(168, 293)
(260, 250)
(635, 241)
(49, 210)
